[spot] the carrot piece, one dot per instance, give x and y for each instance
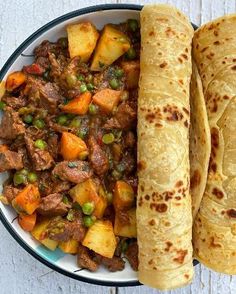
(3, 148)
(27, 222)
(71, 146)
(78, 105)
(28, 200)
(14, 80)
(107, 99)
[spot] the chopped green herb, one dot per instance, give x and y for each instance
(71, 215)
(72, 164)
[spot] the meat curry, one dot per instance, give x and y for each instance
(68, 136)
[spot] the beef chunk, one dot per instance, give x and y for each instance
(85, 260)
(128, 162)
(98, 158)
(52, 205)
(10, 192)
(60, 186)
(35, 133)
(130, 140)
(26, 161)
(113, 264)
(11, 125)
(62, 230)
(49, 97)
(10, 160)
(45, 48)
(46, 183)
(72, 171)
(124, 118)
(132, 255)
(41, 159)
(14, 102)
(53, 145)
(42, 94)
(57, 128)
(43, 62)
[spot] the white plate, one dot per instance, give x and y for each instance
(57, 260)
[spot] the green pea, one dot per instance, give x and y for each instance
(108, 138)
(93, 109)
(80, 77)
(40, 144)
(28, 118)
(131, 53)
(32, 177)
(90, 86)
(109, 197)
(2, 105)
(114, 83)
(88, 221)
(39, 123)
(133, 24)
(75, 123)
(19, 178)
(119, 73)
(62, 119)
(63, 42)
(83, 88)
(71, 80)
(88, 208)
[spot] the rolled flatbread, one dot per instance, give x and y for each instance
(200, 141)
(214, 49)
(164, 214)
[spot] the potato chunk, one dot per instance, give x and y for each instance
(101, 238)
(69, 246)
(88, 192)
(126, 229)
(132, 70)
(123, 196)
(39, 234)
(110, 47)
(82, 39)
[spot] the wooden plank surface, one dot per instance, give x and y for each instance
(21, 273)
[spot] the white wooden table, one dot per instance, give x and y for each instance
(19, 272)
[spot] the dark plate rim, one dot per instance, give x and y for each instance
(3, 71)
